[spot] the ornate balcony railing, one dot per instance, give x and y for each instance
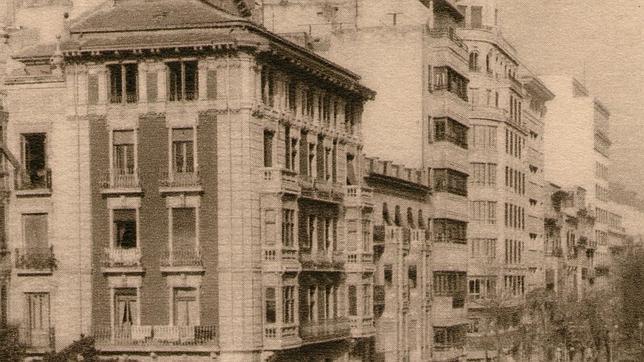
(122, 257)
(322, 260)
(155, 336)
(325, 329)
(449, 33)
(118, 178)
(179, 179)
(357, 195)
(182, 257)
(280, 180)
(37, 258)
(34, 180)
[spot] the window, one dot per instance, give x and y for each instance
(483, 138)
(447, 129)
(311, 303)
(452, 181)
(483, 174)
(288, 227)
(183, 150)
(412, 276)
(38, 318)
(353, 300)
(477, 17)
(123, 152)
(450, 231)
(474, 62)
(184, 235)
(292, 95)
(270, 314)
(123, 82)
(125, 307)
(34, 159)
(186, 309)
(124, 228)
(268, 86)
(483, 212)
(388, 275)
(35, 231)
(445, 78)
(288, 305)
(183, 84)
(483, 248)
(366, 300)
(513, 251)
(366, 235)
(351, 174)
(449, 284)
(268, 148)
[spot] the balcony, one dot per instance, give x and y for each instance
(35, 260)
(281, 337)
(121, 181)
(278, 180)
(358, 196)
(121, 260)
(161, 338)
(281, 259)
(37, 340)
(419, 237)
(36, 183)
(179, 182)
(182, 260)
(362, 327)
(319, 189)
(385, 234)
(325, 330)
(322, 260)
(448, 33)
(360, 262)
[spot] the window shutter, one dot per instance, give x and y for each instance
(151, 81)
(212, 84)
(92, 89)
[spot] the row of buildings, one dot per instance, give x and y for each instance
(274, 180)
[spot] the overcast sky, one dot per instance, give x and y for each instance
(561, 36)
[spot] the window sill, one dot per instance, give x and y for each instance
(43, 192)
(180, 189)
(34, 272)
(134, 269)
(191, 269)
(121, 190)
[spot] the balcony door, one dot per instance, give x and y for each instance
(183, 150)
(38, 322)
(186, 307)
(184, 236)
(125, 310)
(34, 158)
(124, 228)
(123, 157)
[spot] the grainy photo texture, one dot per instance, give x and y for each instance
(321, 180)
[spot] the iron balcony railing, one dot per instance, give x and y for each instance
(155, 335)
(179, 179)
(121, 178)
(34, 179)
(35, 258)
(122, 257)
(182, 257)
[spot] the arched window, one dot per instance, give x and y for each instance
(397, 216)
(474, 61)
(385, 214)
(410, 218)
(488, 66)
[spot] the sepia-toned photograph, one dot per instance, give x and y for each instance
(322, 180)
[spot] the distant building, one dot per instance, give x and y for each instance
(577, 153)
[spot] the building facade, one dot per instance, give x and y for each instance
(578, 124)
(188, 180)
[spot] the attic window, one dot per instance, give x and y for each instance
(183, 81)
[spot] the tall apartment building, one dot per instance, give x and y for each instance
(190, 185)
(577, 126)
(402, 251)
(506, 170)
(407, 51)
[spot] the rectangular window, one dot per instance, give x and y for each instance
(447, 129)
(477, 17)
(388, 275)
(35, 231)
(92, 89)
(183, 84)
(124, 228)
(268, 148)
(366, 300)
(34, 159)
(211, 84)
(123, 152)
(184, 226)
(186, 309)
(412, 276)
(125, 307)
(445, 78)
(288, 305)
(123, 83)
(288, 228)
(452, 181)
(38, 318)
(270, 305)
(450, 231)
(183, 150)
(353, 300)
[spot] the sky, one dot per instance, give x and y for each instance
(601, 43)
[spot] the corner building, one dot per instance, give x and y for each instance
(221, 165)
(422, 113)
